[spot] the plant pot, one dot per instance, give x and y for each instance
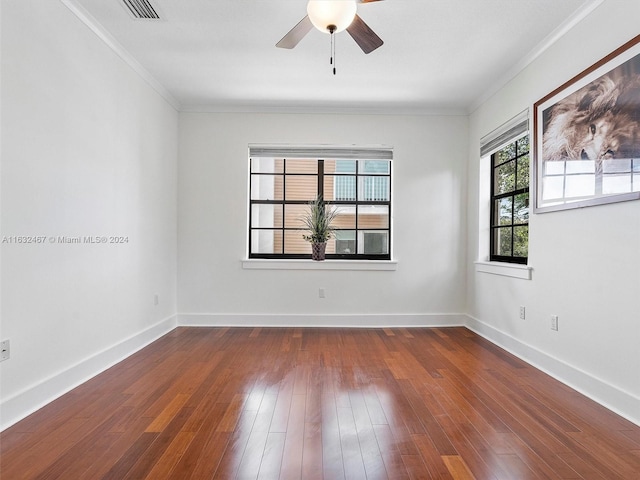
(317, 251)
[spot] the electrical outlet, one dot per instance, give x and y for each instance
(321, 293)
(522, 313)
(5, 350)
(554, 322)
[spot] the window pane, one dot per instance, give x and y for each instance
(521, 208)
(580, 166)
(301, 187)
(616, 166)
(266, 216)
(373, 216)
(503, 211)
(267, 165)
(616, 184)
(507, 153)
(344, 242)
(295, 244)
(293, 215)
(373, 189)
(553, 187)
(520, 241)
(340, 187)
(345, 217)
(523, 145)
(374, 166)
(554, 167)
(302, 165)
(266, 241)
(505, 178)
(340, 166)
(375, 243)
(523, 172)
(266, 187)
(580, 186)
(502, 241)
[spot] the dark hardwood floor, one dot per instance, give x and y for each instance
(312, 403)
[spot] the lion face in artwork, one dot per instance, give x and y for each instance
(598, 122)
(610, 136)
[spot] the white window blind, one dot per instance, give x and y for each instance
(504, 134)
(321, 151)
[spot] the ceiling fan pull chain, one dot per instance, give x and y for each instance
(333, 52)
(332, 61)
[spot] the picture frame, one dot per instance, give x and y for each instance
(587, 136)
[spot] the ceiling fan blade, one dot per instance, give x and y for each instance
(368, 1)
(363, 35)
(296, 34)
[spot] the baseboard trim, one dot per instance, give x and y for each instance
(321, 320)
(26, 402)
(609, 396)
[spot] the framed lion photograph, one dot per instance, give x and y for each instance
(587, 136)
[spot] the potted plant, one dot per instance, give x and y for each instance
(318, 220)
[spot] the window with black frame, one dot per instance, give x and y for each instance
(510, 202)
(356, 183)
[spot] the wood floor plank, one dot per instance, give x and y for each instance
(321, 403)
(391, 456)
(416, 467)
(232, 413)
(121, 468)
(166, 462)
(369, 448)
(271, 460)
(251, 462)
(161, 421)
(332, 464)
(294, 441)
(458, 468)
(433, 460)
(103, 460)
(312, 451)
(203, 456)
(351, 454)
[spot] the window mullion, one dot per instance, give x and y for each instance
(321, 178)
(284, 205)
(357, 207)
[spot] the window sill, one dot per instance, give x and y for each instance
(262, 264)
(505, 269)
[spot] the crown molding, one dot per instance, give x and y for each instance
(86, 18)
(323, 110)
(585, 10)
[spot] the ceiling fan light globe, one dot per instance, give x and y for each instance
(339, 13)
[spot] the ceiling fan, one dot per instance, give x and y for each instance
(332, 16)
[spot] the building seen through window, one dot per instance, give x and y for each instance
(358, 189)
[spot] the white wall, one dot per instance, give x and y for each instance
(88, 149)
(586, 262)
(428, 224)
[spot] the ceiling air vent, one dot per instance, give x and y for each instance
(141, 9)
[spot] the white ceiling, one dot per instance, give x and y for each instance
(438, 55)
